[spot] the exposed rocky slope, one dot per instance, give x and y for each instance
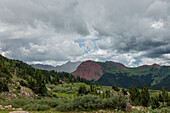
(89, 70)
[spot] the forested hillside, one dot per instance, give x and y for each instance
(30, 77)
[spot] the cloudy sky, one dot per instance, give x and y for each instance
(133, 32)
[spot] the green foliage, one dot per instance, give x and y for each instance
(144, 96)
(154, 102)
(115, 102)
(18, 103)
(92, 102)
(36, 107)
(164, 95)
(31, 77)
(63, 107)
(38, 83)
(154, 76)
(82, 90)
(134, 95)
(124, 91)
(50, 102)
(86, 102)
(115, 88)
(3, 86)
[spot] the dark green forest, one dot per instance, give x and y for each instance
(155, 77)
(31, 77)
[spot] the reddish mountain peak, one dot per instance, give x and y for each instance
(153, 65)
(115, 64)
(89, 70)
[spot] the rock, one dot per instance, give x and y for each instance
(128, 108)
(19, 112)
(19, 109)
(8, 107)
(137, 107)
(2, 108)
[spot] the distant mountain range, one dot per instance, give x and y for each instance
(109, 73)
(68, 67)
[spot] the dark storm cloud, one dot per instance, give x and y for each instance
(36, 30)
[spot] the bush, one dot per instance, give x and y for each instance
(115, 88)
(17, 103)
(36, 107)
(124, 91)
(92, 102)
(87, 102)
(50, 102)
(116, 102)
(65, 107)
(3, 86)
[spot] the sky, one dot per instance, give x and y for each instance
(132, 32)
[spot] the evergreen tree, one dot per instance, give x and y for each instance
(91, 87)
(155, 102)
(82, 90)
(164, 95)
(115, 88)
(134, 95)
(37, 83)
(145, 96)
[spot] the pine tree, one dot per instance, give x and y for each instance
(145, 96)
(134, 95)
(164, 95)
(115, 88)
(82, 90)
(155, 102)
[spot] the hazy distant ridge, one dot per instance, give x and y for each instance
(68, 67)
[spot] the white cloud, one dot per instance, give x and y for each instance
(151, 61)
(157, 25)
(47, 31)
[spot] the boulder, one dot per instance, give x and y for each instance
(8, 107)
(19, 112)
(19, 109)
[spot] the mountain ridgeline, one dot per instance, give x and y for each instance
(68, 67)
(109, 73)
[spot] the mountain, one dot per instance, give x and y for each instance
(43, 67)
(92, 70)
(89, 70)
(68, 67)
(109, 73)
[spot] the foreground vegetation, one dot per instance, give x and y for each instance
(76, 97)
(37, 90)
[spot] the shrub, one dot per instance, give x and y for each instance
(50, 102)
(116, 102)
(124, 91)
(65, 107)
(17, 103)
(36, 107)
(115, 88)
(87, 102)
(92, 102)
(23, 82)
